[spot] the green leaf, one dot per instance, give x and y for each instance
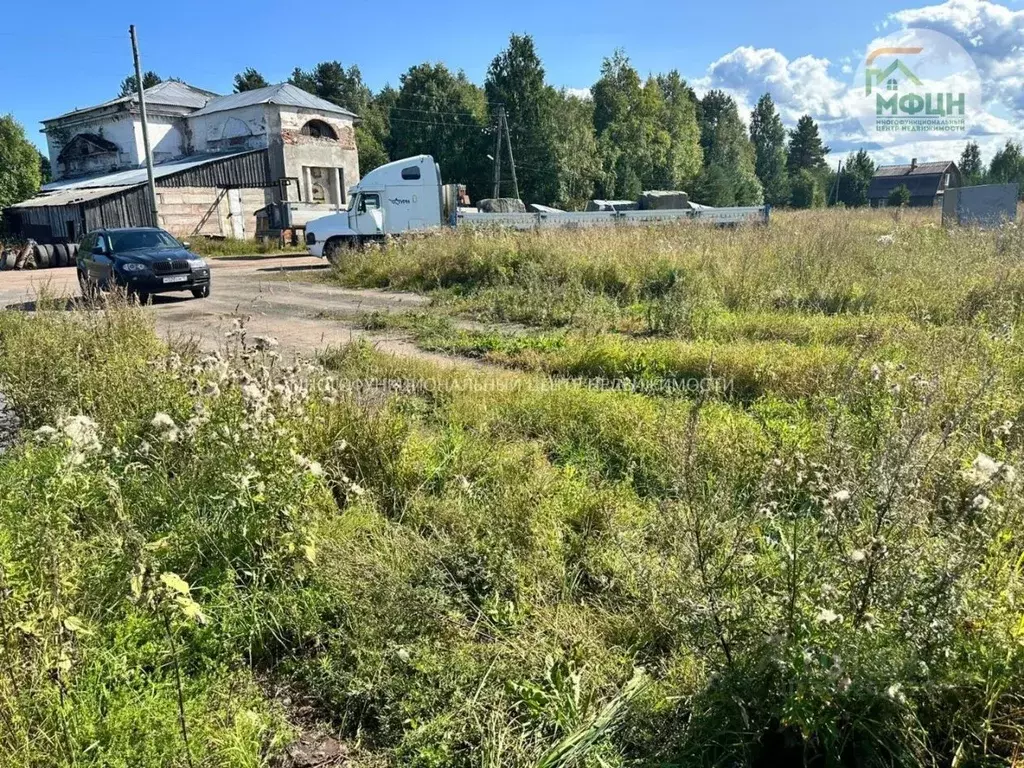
(75, 624)
(175, 582)
(191, 609)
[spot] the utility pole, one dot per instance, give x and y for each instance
(508, 143)
(145, 127)
(497, 154)
(835, 187)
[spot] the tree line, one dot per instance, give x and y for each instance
(629, 134)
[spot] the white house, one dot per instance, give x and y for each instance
(218, 159)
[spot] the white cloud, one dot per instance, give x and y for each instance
(579, 93)
(992, 34)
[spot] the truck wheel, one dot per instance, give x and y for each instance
(333, 249)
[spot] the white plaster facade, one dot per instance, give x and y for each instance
(310, 145)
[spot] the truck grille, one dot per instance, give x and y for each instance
(170, 266)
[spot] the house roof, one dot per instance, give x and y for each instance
(921, 169)
(923, 179)
(169, 93)
(135, 176)
(67, 197)
(282, 94)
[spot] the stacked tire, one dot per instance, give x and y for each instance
(36, 256)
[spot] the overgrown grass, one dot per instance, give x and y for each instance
(555, 560)
(232, 247)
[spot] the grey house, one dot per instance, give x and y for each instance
(927, 182)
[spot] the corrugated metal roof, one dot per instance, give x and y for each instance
(135, 176)
(922, 169)
(282, 94)
(170, 93)
(68, 197)
(926, 185)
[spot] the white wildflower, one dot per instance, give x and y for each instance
(858, 555)
(264, 343)
(83, 433)
(356, 489)
(886, 240)
(45, 434)
(162, 421)
(895, 692)
(984, 469)
(210, 389)
(841, 496)
(844, 684)
(308, 465)
(981, 502)
(828, 616)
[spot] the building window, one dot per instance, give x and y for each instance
(892, 84)
(411, 173)
(318, 129)
(948, 175)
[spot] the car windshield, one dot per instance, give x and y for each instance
(137, 239)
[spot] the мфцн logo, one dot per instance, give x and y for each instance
(917, 80)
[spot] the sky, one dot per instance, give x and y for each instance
(804, 52)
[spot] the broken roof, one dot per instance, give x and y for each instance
(134, 176)
(169, 93)
(282, 94)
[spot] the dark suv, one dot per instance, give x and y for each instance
(143, 260)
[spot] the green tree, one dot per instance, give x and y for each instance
(373, 133)
(768, 136)
(619, 121)
(515, 79)
(899, 197)
(855, 179)
(129, 85)
(1007, 166)
(249, 80)
(577, 161)
(684, 159)
(807, 190)
(332, 82)
(729, 176)
(45, 172)
(443, 114)
(19, 163)
(971, 167)
(806, 150)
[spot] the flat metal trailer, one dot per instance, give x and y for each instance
(714, 216)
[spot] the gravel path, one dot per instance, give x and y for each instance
(9, 424)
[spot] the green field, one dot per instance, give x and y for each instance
(685, 497)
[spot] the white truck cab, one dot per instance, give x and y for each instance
(403, 196)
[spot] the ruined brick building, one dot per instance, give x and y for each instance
(218, 160)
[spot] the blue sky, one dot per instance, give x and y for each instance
(76, 57)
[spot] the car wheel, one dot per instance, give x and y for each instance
(201, 293)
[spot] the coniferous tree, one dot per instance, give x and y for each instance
(249, 80)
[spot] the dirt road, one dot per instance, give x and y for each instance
(270, 292)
